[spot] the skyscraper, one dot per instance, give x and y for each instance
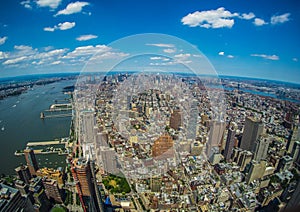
(52, 190)
(163, 146)
(31, 161)
(260, 148)
(176, 119)
(10, 199)
(230, 141)
(82, 174)
(244, 159)
(252, 130)
(193, 120)
(23, 173)
(296, 152)
(215, 136)
(257, 170)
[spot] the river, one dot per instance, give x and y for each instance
(20, 122)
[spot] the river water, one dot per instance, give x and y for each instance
(20, 122)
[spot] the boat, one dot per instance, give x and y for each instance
(14, 106)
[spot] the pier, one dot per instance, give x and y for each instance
(44, 143)
(51, 149)
(57, 111)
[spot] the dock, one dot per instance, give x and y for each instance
(44, 143)
(57, 111)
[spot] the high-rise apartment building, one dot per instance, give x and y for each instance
(176, 119)
(52, 190)
(260, 148)
(215, 136)
(163, 146)
(244, 158)
(23, 173)
(230, 140)
(85, 184)
(252, 130)
(31, 161)
(257, 170)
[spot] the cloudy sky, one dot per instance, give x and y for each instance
(254, 38)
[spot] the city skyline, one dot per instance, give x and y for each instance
(249, 39)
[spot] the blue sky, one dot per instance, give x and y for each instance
(253, 38)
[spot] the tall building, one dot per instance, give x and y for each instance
(230, 140)
(285, 163)
(82, 174)
(236, 152)
(294, 203)
(31, 161)
(10, 199)
(51, 173)
(23, 173)
(52, 190)
(176, 119)
(295, 136)
(163, 146)
(193, 120)
(244, 158)
(252, 130)
(260, 148)
(257, 170)
(215, 136)
(296, 152)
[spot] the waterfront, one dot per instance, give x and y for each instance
(20, 122)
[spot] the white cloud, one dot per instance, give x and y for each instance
(295, 59)
(269, 57)
(86, 37)
(49, 29)
(23, 50)
(56, 62)
(165, 45)
(38, 62)
(230, 56)
(221, 53)
(15, 60)
(182, 56)
(61, 26)
(259, 22)
(2, 40)
(280, 18)
(50, 54)
(210, 19)
(247, 16)
(156, 58)
(87, 51)
(160, 58)
(26, 55)
(3, 55)
(170, 51)
(74, 7)
(53, 4)
(22, 47)
(197, 55)
(26, 4)
(109, 55)
(66, 25)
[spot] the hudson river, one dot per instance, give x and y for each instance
(20, 122)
